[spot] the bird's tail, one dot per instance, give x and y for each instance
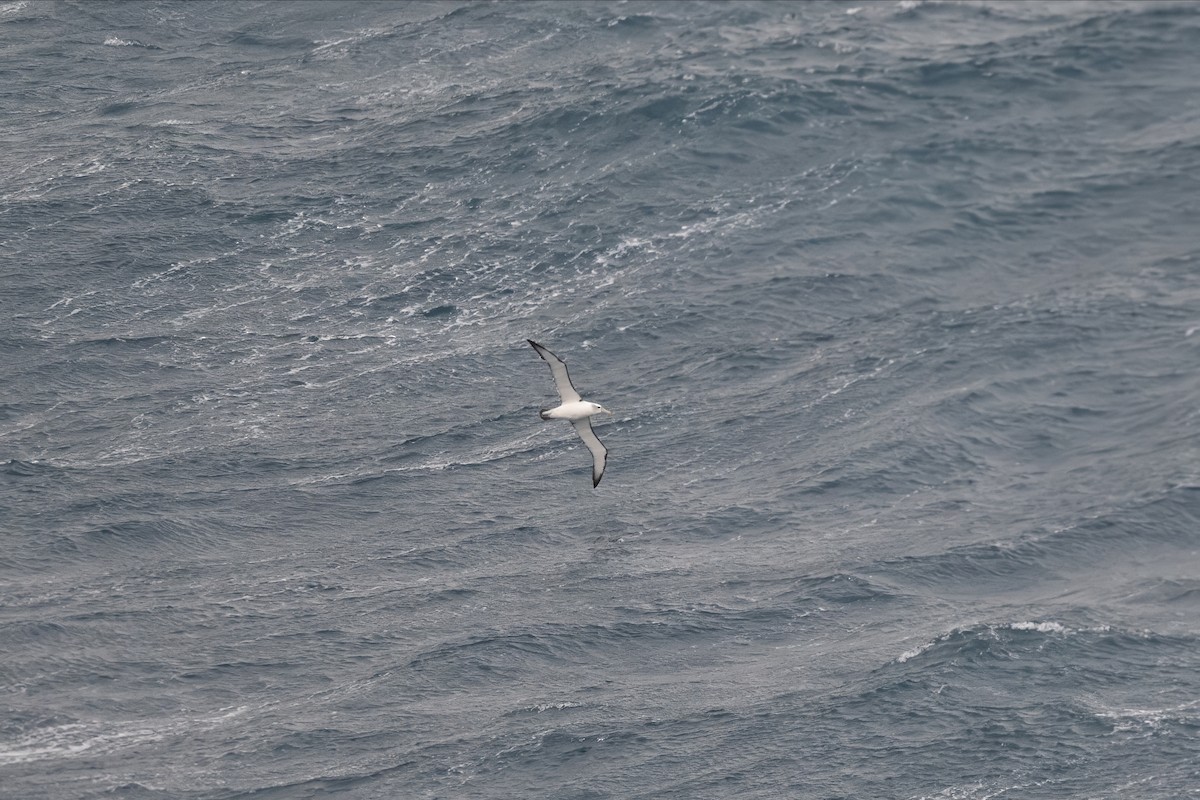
(544, 413)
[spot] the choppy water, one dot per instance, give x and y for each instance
(897, 305)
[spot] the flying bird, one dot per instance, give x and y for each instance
(576, 409)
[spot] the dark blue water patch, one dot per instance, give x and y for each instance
(422, 448)
(1001, 566)
(845, 588)
(496, 657)
(626, 22)
(89, 533)
(441, 312)
(570, 752)
(801, 595)
(723, 523)
(117, 109)
(1179, 594)
(31, 633)
(80, 348)
(766, 610)
(1046, 656)
(138, 791)
(282, 783)
(982, 699)
(51, 551)
(138, 536)
(452, 595)
(283, 44)
(256, 216)
(16, 468)
(1167, 523)
(489, 658)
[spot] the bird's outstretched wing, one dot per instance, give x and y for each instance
(599, 452)
(562, 381)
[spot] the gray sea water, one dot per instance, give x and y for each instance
(897, 305)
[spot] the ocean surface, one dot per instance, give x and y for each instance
(897, 305)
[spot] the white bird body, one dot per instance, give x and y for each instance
(575, 409)
(580, 409)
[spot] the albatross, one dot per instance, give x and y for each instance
(576, 409)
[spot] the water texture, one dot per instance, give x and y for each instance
(897, 305)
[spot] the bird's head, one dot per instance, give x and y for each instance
(599, 409)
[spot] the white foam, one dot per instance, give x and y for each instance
(1040, 627)
(1133, 719)
(542, 707)
(70, 740)
(95, 737)
(916, 651)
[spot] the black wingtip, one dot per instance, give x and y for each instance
(543, 351)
